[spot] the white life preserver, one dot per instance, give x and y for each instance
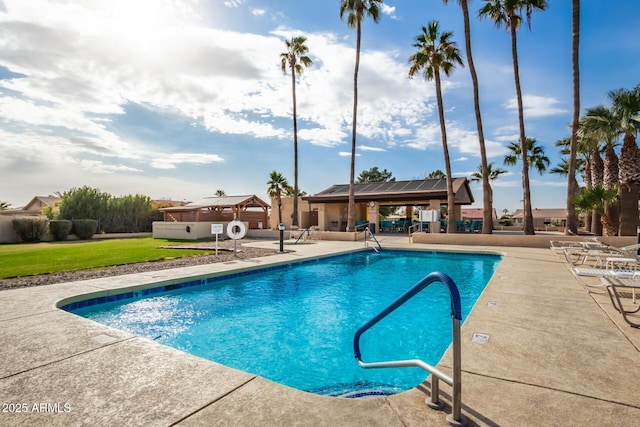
(236, 229)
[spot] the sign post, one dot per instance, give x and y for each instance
(217, 229)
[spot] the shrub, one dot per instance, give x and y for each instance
(60, 228)
(30, 229)
(85, 228)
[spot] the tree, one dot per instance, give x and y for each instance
(572, 183)
(487, 192)
(598, 131)
(295, 58)
(356, 11)
(508, 13)
(220, 193)
(596, 199)
(536, 159)
(436, 53)
(491, 174)
(4, 206)
(375, 175)
(277, 185)
(436, 174)
(626, 109)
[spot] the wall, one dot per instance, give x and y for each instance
(287, 213)
(197, 230)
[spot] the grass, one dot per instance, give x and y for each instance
(25, 259)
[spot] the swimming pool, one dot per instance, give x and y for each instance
(294, 324)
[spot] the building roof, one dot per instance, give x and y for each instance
(543, 213)
(476, 213)
(251, 201)
(420, 190)
(43, 201)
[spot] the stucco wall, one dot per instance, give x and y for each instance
(188, 230)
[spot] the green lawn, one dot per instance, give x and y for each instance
(26, 259)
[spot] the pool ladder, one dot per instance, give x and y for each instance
(372, 237)
(455, 418)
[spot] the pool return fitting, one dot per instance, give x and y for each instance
(455, 418)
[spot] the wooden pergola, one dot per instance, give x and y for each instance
(249, 209)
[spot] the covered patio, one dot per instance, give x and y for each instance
(193, 220)
(332, 204)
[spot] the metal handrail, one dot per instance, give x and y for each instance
(366, 230)
(455, 381)
(305, 230)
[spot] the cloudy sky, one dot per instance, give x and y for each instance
(179, 98)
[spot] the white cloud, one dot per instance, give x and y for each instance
(388, 10)
(368, 148)
(537, 106)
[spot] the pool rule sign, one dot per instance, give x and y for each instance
(217, 229)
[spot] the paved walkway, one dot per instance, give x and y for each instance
(556, 355)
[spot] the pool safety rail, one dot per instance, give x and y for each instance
(455, 418)
(372, 237)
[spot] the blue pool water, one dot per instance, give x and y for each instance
(295, 324)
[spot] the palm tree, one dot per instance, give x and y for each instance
(572, 183)
(436, 174)
(491, 174)
(295, 58)
(599, 129)
(277, 185)
(594, 200)
(436, 53)
(626, 109)
(4, 205)
(536, 159)
(508, 12)
(220, 193)
(356, 11)
(487, 192)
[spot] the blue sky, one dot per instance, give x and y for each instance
(177, 99)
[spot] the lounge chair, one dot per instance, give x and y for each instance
(612, 284)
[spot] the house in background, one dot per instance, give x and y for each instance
(544, 219)
(477, 214)
(33, 208)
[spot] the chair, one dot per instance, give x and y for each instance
(612, 283)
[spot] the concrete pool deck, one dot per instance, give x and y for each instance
(556, 355)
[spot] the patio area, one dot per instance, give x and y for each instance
(553, 355)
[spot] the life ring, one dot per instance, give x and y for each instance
(236, 229)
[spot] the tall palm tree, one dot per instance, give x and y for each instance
(277, 185)
(295, 58)
(536, 158)
(509, 14)
(487, 192)
(491, 174)
(572, 183)
(626, 109)
(599, 129)
(356, 11)
(438, 53)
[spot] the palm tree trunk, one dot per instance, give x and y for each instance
(629, 186)
(451, 217)
(279, 199)
(526, 193)
(294, 221)
(351, 220)
(572, 183)
(487, 199)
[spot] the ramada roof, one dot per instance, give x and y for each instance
(543, 213)
(420, 190)
(250, 201)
